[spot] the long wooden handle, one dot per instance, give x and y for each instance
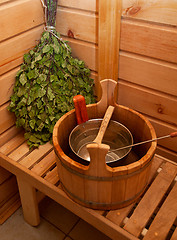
(104, 124)
(172, 135)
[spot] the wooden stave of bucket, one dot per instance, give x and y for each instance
(98, 185)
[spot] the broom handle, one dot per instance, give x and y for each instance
(173, 134)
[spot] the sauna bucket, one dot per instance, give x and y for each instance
(98, 185)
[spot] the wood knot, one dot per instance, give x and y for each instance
(132, 10)
(70, 34)
(160, 109)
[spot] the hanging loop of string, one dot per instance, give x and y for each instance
(51, 29)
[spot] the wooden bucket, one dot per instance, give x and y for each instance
(98, 185)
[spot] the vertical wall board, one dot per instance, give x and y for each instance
(108, 39)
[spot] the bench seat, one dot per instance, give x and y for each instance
(153, 216)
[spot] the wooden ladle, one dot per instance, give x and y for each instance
(104, 125)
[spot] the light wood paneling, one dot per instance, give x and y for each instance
(19, 45)
(7, 118)
(88, 52)
(19, 16)
(163, 129)
(90, 5)
(7, 83)
(10, 65)
(152, 103)
(76, 24)
(148, 72)
(160, 11)
(149, 39)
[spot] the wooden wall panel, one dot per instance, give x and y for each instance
(91, 5)
(77, 24)
(157, 41)
(148, 68)
(19, 45)
(85, 51)
(10, 65)
(19, 16)
(7, 84)
(162, 129)
(152, 103)
(148, 72)
(7, 118)
(159, 11)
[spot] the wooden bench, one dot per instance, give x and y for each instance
(151, 217)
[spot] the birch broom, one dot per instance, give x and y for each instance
(46, 83)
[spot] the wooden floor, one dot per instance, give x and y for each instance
(152, 217)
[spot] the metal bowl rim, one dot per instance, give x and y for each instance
(100, 119)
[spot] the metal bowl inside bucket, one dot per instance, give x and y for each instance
(116, 136)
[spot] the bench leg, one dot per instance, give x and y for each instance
(29, 202)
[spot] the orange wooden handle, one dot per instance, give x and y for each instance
(80, 109)
(173, 134)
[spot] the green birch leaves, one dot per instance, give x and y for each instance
(45, 85)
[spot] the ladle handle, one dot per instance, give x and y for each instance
(172, 135)
(104, 124)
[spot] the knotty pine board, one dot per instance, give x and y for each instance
(77, 24)
(147, 101)
(159, 11)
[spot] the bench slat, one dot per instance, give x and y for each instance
(165, 218)
(117, 216)
(45, 164)
(52, 176)
(151, 199)
(19, 152)
(36, 155)
(174, 236)
(12, 144)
